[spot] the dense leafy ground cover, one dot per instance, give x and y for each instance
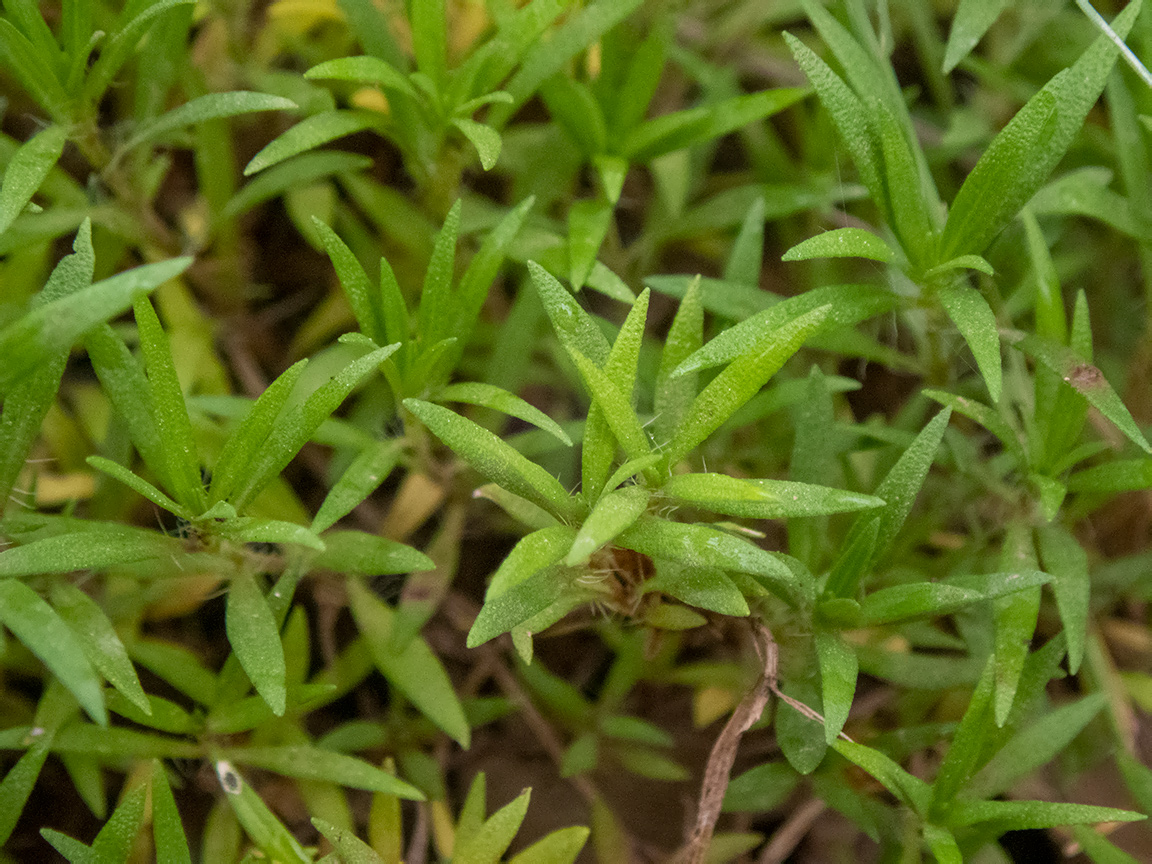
(726, 418)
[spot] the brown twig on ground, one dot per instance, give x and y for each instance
(788, 835)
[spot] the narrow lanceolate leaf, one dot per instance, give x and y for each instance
(28, 403)
(574, 327)
(944, 597)
(351, 849)
(103, 545)
(436, 312)
(1066, 560)
(260, 823)
(483, 137)
(315, 763)
(1086, 379)
(137, 483)
(245, 529)
(911, 221)
(849, 116)
(971, 22)
(531, 554)
(559, 847)
(986, 417)
(18, 783)
(45, 634)
(968, 742)
(1034, 815)
(27, 169)
(838, 670)
(209, 107)
(362, 297)
(900, 488)
(494, 458)
(493, 838)
(535, 595)
(369, 554)
(674, 393)
(1016, 615)
(1034, 746)
(99, 640)
(764, 499)
(615, 407)
(55, 326)
(911, 790)
(702, 587)
(849, 304)
(414, 670)
(368, 70)
(976, 322)
(614, 512)
(292, 431)
(588, 223)
(702, 546)
(741, 381)
(1022, 156)
(842, 243)
(499, 399)
(254, 636)
(167, 830)
(33, 72)
(311, 133)
(248, 438)
(181, 457)
(116, 838)
(359, 480)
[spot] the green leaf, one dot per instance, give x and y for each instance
(138, 484)
(34, 73)
(311, 133)
(1034, 746)
(842, 243)
(899, 488)
(44, 633)
(366, 302)
(260, 823)
(1121, 475)
(741, 380)
(414, 670)
(944, 597)
(116, 838)
(18, 783)
(181, 458)
(573, 107)
(31, 340)
(547, 56)
(1033, 815)
(248, 530)
(308, 762)
(249, 437)
(209, 107)
(847, 305)
(117, 50)
(98, 638)
(73, 850)
(560, 847)
(964, 753)
(971, 22)
(616, 409)
(489, 843)
(494, 458)
(911, 221)
(177, 666)
(703, 587)
(350, 848)
(360, 479)
(848, 115)
(519, 604)
(518, 508)
(746, 258)
(986, 417)
(912, 791)
(838, 670)
(531, 554)
(436, 313)
(574, 327)
(801, 736)
(1085, 378)
(1101, 851)
(588, 222)
(1067, 561)
(484, 138)
(254, 636)
(429, 39)
(26, 171)
(763, 499)
(499, 399)
(760, 789)
(1016, 616)
(29, 402)
(296, 173)
(702, 546)
(614, 512)
(369, 555)
(293, 429)
(943, 844)
(674, 393)
(370, 70)
(167, 830)
(99, 545)
(976, 322)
